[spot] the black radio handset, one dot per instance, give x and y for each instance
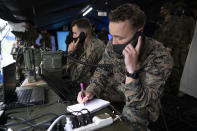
(81, 37)
(135, 38)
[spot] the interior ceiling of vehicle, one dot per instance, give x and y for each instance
(53, 14)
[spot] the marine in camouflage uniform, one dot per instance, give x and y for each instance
(176, 32)
(183, 35)
(164, 33)
(89, 52)
(141, 95)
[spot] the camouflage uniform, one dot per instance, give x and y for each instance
(176, 32)
(184, 34)
(143, 94)
(165, 33)
(90, 53)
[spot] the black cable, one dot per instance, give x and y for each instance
(21, 119)
(38, 125)
(3, 127)
(102, 66)
(79, 118)
(14, 112)
(115, 110)
(88, 116)
(18, 123)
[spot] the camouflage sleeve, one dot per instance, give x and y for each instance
(93, 56)
(70, 66)
(147, 90)
(98, 80)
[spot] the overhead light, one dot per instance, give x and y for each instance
(102, 13)
(87, 11)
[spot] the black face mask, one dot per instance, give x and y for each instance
(81, 38)
(118, 48)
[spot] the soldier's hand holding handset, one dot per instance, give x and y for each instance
(131, 55)
(73, 45)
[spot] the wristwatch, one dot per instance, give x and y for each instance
(133, 75)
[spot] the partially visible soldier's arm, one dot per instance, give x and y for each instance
(100, 75)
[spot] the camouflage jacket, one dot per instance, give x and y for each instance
(90, 53)
(176, 31)
(155, 64)
(165, 33)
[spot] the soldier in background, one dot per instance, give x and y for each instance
(183, 35)
(44, 40)
(176, 32)
(164, 32)
(103, 35)
(85, 48)
(185, 31)
(137, 78)
(44, 43)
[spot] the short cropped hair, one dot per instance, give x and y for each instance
(82, 23)
(131, 12)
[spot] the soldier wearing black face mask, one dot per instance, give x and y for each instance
(118, 48)
(84, 47)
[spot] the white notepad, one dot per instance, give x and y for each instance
(92, 106)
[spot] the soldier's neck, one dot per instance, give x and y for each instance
(87, 39)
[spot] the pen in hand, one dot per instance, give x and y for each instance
(82, 91)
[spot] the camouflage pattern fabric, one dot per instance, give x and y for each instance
(165, 33)
(177, 33)
(90, 53)
(143, 94)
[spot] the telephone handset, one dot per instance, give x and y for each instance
(81, 37)
(135, 38)
(70, 38)
(118, 48)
